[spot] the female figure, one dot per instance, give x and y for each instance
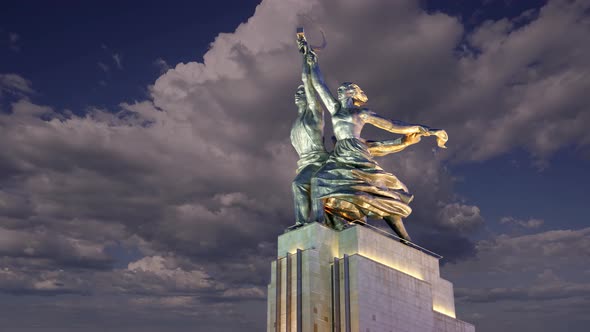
(351, 185)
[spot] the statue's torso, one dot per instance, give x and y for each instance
(307, 133)
(347, 123)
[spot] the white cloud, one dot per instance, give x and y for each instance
(460, 217)
(531, 223)
(168, 275)
(15, 84)
(525, 85)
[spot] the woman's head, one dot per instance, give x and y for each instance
(351, 90)
(300, 98)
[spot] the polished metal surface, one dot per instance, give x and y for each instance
(307, 137)
(347, 184)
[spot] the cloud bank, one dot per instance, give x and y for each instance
(176, 201)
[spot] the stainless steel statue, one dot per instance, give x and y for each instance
(350, 185)
(307, 137)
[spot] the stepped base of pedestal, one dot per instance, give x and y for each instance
(357, 280)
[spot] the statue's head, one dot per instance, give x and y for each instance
(351, 90)
(300, 99)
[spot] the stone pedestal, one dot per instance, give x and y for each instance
(356, 280)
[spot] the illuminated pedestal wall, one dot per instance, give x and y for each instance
(356, 280)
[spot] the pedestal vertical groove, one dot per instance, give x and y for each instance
(299, 292)
(278, 296)
(346, 295)
(288, 278)
(336, 295)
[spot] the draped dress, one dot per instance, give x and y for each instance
(351, 184)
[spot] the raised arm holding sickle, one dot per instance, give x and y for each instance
(351, 185)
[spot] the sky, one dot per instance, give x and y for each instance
(145, 162)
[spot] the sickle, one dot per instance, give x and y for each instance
(304, 17)
(323, 45)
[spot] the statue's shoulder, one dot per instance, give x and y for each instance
(364, 112)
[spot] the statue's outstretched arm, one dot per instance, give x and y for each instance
(382, 148)
(319, 85)
(396, 127)
(412, 131)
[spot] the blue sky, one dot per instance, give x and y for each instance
(145, 162)
(61, 45)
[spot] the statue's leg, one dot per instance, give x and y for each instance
(396, 223)
(301, 188)
(301, 202)
(317, 204)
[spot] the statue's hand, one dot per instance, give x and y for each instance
(441, 138)
(422, 130)
(311, 58)
(410, 139)
(302, 45)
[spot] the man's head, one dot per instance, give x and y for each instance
(300, 98)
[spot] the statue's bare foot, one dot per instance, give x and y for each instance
(397, 225)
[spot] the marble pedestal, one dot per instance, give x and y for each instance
(356, 280)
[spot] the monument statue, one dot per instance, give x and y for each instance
(328, 277)
(349, 185)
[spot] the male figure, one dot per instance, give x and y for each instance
(307, 137)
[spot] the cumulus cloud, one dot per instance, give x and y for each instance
(197, 177)
(528, 74)
(460, 217)
(158, 275)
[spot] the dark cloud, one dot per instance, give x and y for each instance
(537, 275)
(61, 250)
(528, 294)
